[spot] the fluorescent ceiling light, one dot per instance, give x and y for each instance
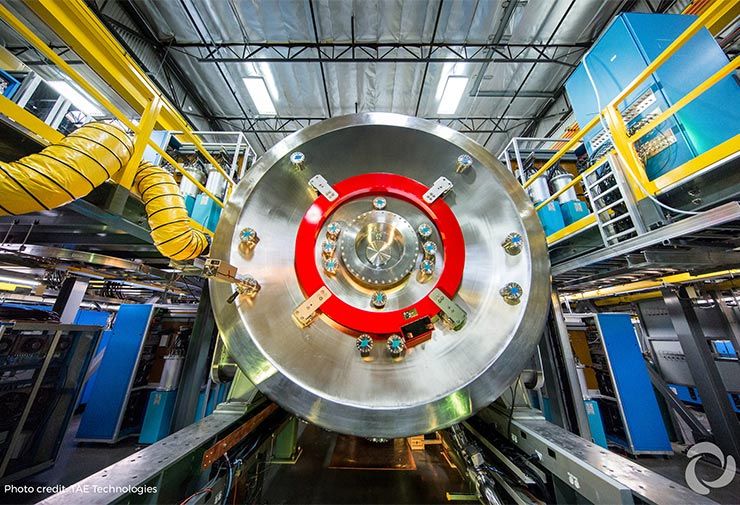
(18, 281)
(260, 96)
(77, 99)
(452, 94)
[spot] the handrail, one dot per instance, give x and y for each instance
(689, 97)
(624, 143)
(50, 54)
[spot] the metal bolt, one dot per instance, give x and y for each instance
(424, 230)
(332, 230)
(331, 265)
(328, 247)
(364, 344)
(395, 345)
(513, 243)
(245, 285)
(512, 293)
(298, 159)
(248, 237)
(379, 203)
(378, 299)
(464, 162)
(426, 267)
(430, 249)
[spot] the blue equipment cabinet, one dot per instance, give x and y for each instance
(624, 400)
(630, 43)
(118, 397)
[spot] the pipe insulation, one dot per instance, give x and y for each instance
(82, 161)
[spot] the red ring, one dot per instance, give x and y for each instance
(378, 322)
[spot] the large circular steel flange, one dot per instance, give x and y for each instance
(388, 389)
(393, 316)
(379, 248)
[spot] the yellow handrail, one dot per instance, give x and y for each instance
(565, 188)
(693, 94)
(716, 11)
(49, 53)
(567, 147)
(624, 143)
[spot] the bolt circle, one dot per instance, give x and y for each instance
(513, 243)
(395, 345)
(424, 230)
(331, 265)
(378, 299)
(430, 249)
(248, 237)
(332, 230)
(364, 343)
(379, 203)
(512, 293)
(328, 247)
(426, 267)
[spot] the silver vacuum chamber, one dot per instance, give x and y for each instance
(390, 303)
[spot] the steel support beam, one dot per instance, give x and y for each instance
(721, 416)
(196, 365)
(381, 52)
(569, 372)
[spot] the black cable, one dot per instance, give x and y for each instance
(511, 410)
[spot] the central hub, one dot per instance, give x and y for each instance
(379, 248)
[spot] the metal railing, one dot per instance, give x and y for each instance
(624, 142)
(81, 30)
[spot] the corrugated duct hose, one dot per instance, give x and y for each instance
(82, 161)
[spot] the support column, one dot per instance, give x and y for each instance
(721, 416)
(569, 363)
(196, 365)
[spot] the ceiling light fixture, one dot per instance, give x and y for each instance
(260, 96)
(454, 89)
(78, 100)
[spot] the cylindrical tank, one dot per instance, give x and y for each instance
(215, 183)
(559, 180)
(538, 190)
(397, 295)
(187, 188)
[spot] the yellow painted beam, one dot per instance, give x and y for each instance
(571, 229)
(632, 287)
(18, 114)
(620, 300)
(692, 95)
(706, 159)
(82, 31)
(567, 147)
(126, 177)
(711, 17)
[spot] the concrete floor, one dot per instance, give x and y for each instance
(311, 481)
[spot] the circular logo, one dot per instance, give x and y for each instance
(701, 486)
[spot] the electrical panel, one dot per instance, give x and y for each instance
(616, 378)
(630, 43)
(42, 366)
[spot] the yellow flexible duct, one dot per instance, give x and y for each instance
(83, 160)
(64, 171)
(168, 217)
